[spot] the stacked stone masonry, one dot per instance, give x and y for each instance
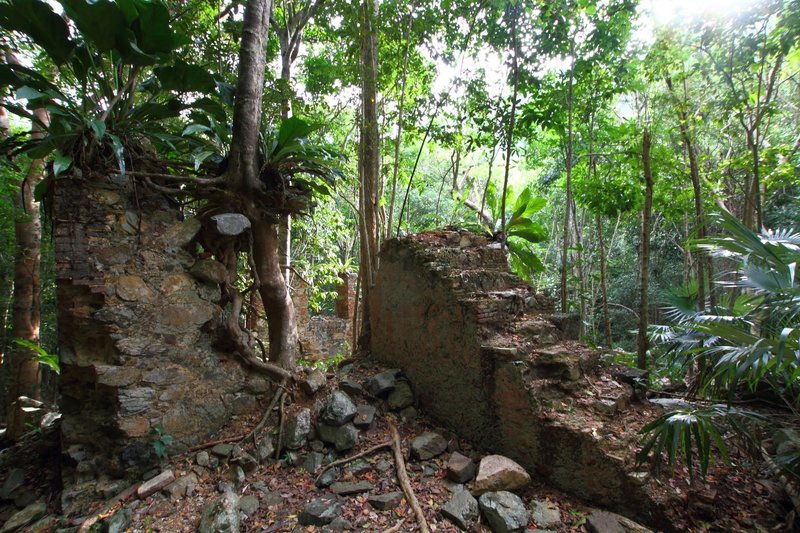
(134, 332)
(489, 358)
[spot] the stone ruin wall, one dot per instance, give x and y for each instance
(489, 359)
(326, 336)
(134, 333)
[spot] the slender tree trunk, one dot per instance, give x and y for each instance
(285, 228)
(694, 173)
(568, 201)
(369, 164)
(23, 372)
(511, 123)
(752, 195)
(400, 115)
(274, 294)
(5, 285)
(604, 282)
(242, 178)
(644, 254)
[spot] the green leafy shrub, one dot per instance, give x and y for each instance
(749, 343)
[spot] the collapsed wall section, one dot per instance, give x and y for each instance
(489, 359)
(134, 334)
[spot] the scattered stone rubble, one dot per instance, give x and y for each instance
(485, 488)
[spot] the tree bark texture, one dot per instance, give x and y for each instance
(243, 179)
(644, 254)
(369, 164)
(5, 284)
(604, 281)
(274, 294)
(243, 159)
(23, 372)
(694, 174)
(568, 202)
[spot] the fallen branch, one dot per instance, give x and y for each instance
(368, 451)
(396, 527)
(239, 438)
(87, 524)
(209, 444)
(281, 418)
(788, 486)
(402, 478)
(261, 423)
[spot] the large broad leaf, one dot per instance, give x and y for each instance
(212, 108)
(183, 77)
(525, 228)
(152, 27)
(37, 20)
(521, 203)
(101, 21)
(293, 129)
(534, 206)
(226, 92)
(154, 111)
(61, 163)
(528, 258)
(492, 200)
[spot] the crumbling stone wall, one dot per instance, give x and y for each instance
(489, 359)
(324, 336)
(134, 333)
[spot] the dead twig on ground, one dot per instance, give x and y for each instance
(788, 486)
(261, 423)
(368, 451)
(402, 478)
(87, 523)
(257, 429)
(396, 527)
(281, 419)
(211, 443)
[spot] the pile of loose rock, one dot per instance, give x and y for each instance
(323, 426)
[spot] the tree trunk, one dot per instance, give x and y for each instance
(511, 123)
(274, 294)
(603, 281)
(243, 179)
(369, 163)
(400, 114)
(644, 254)
(568, 201)
(694, 173)
(23, 372)
(285, 228)
(5, 285)
(242, 173)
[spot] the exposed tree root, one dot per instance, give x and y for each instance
(244, 345)
(368, 451)
(402, 478)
